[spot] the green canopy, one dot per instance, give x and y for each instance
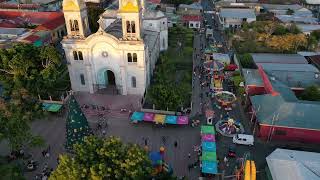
(209, 156)
(51, 107)
(207, 130)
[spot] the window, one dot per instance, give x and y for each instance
(80, 55)
(197, 25)
(75, 55)
(128, 27)
(82, 79)
(135, 58)
(76, 25)
(129, 56)
(163, 43)
(133, 27)
(133, 82)
(191, 24)
(71, 25)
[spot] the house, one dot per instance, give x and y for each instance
(192, 21)
(234, 17)
(285, 164)
(192, 9)
(312, 4)
(276, 112)
(166, 3)
(38, 28)
(31, 5)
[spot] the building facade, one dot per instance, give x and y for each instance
(121, 55)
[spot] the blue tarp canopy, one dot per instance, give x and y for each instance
(137, 116)
(171, 119)
(209, 146)
(209, 167)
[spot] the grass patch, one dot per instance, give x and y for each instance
(171, 86)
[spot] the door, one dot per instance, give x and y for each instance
(110, 78)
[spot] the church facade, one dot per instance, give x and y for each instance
(122, 54)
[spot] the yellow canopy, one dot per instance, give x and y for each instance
(159, 118)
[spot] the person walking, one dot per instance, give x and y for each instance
(175, 144)
(189, 155)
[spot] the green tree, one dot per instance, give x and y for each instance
(311, 93)
(97, 159)
(35, 69)
(280, 30)
(77, 125)
(316, 34)
(14, 120)
(289, 12)
(94, 13)
(10, 171)
(247, 61)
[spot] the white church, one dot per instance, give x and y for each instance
(122, 54)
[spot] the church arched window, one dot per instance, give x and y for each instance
(75, 55)
(71, 25)
(133, 82)
(76, 25)
(133, 27)
(135, 58)
(80, 55)
(129, 56)
(128, 26)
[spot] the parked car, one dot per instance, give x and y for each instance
(244, 139)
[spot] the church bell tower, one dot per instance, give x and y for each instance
(76, 18)
(130, 11)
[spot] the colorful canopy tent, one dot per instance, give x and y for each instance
(171, 119)
(208, 138)
(137, 116)
(209, 146)
(158, 118)
(209, 155)
(210, 49)
(207, 130)
(51, 107)
(209, 167)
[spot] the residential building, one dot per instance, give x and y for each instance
(192, 9)
(234, 17)
(121, 55)
(285, 164)
(312, 4)
(31, 5)
(192, 21)
(38, 28)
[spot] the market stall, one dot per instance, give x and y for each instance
(158, 118)
(209, 164)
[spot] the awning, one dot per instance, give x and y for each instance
(209, 146)
(209, 167)
(137, 116)
(182, 120)
(207, 130)
(159, 119)
(171, 119)
(208, 137)
(209, 156)
(148, 117)
(51, 107)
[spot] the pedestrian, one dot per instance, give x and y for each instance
(47, 155)
(175, 144)
(103, 132)
(189, 167)
(189, 155)
(225, 159)
(146, 142)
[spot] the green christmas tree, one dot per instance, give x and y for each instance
(77, 125)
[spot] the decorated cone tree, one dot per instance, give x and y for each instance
(77, 125)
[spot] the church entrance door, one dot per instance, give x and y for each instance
(110, 78)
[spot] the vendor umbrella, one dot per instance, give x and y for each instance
(209, 156)
(209, 167)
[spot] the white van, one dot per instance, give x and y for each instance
(244, 139)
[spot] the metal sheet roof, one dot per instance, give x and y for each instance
(237, 13)
(285, 164)
(278, 58)
(252, 77)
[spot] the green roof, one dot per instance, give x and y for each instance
(207, 130)
(252, 77)
(299, 114)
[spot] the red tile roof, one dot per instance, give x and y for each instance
(191, 18)
(19, 6)
(155, 1)
(45, 20)
(32, 38)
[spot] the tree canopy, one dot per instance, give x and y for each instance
(35, 69)
(98, 159)
(246, 61)
(311, 93)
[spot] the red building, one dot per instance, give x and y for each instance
(277, 114)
